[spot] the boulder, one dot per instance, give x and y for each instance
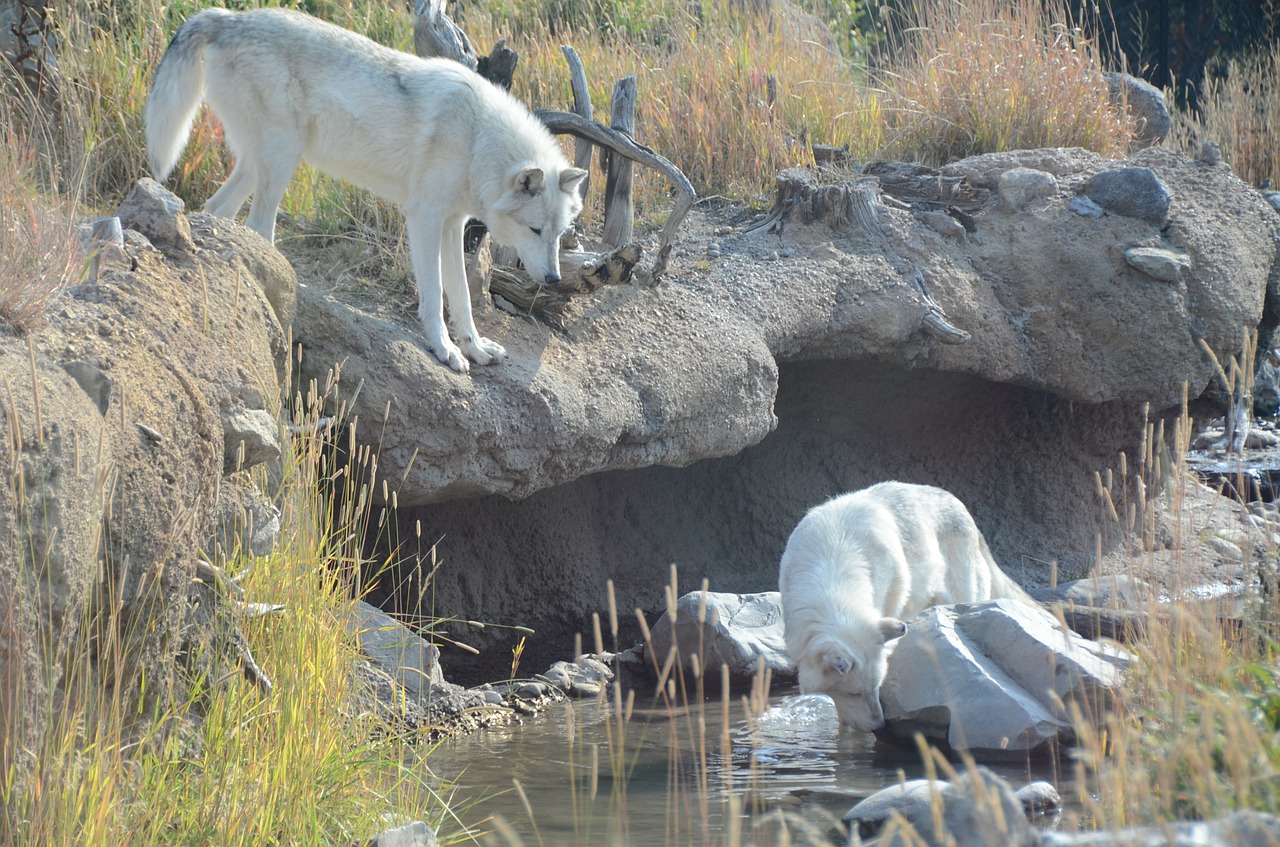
(1131, 192)
(979, 809)
(997, 679)
(694, 422)
(915, 801)
(122, 435)
(415, 834)
(398, 651)
(52, 501)
(1145, 103)
(739, 631)
(585, 676)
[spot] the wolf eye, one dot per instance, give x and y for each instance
(536, 230)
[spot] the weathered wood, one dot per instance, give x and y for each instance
(582, 148)
(800, 198)
(619, 214)
(926, 187)
(580, 273)
(567, 123)
(435, 34)
(499, 67)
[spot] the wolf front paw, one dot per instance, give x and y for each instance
(482, 351)
(450, 354)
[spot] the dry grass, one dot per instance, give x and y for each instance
(39, 253)
(1196, 734)
(984, 76)
(1238, 111)
(305, 764)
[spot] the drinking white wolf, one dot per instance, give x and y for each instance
(856, 566)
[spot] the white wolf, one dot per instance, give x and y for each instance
(427, 134)
(859, 564)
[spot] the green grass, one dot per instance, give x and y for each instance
(308, 763)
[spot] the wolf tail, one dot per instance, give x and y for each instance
(178, 89)
(1002, 585)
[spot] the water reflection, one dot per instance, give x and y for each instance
(665, 775)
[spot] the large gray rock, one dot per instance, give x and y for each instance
(397, 650)
(1145, 103)
(978, 810)
(997, 679)
(739, 631)
(694, 422)
(1131, 192)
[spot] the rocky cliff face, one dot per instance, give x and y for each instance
(695, 421)
(119, 416)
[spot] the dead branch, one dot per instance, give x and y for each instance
(567, 123)
(580, 273)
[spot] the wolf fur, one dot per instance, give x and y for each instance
(430, 135)
(856, 566)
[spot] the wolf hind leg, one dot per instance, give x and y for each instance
(229, 198)
(480, 350)
(273, 173)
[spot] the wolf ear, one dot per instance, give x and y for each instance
(571, 178)
(891, 628)
(838, 662)
(529, 180)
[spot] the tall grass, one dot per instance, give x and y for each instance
(983, 76)
(1196, 734)
(309, 762)
(731, 92)
(39, 255)
(1238, 111)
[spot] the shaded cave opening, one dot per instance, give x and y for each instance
(1022, 460)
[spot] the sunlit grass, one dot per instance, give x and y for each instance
(310, 762)
(1238, 112)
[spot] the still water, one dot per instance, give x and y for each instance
(663, 776)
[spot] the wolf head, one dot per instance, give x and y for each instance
(848, 664)
(535, 207)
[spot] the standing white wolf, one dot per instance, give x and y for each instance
(427, 134)
(859, 564)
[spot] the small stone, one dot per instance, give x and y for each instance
(249, 437)
(1226, 549)
(586, 690)
(1158, 263)
(1132, 192)
(1085, 208)
(103, 230)
(531, 690)
(1210, 153)
(1020, 187)
(157, 214)
(772, 256)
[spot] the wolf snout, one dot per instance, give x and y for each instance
(552, 278)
